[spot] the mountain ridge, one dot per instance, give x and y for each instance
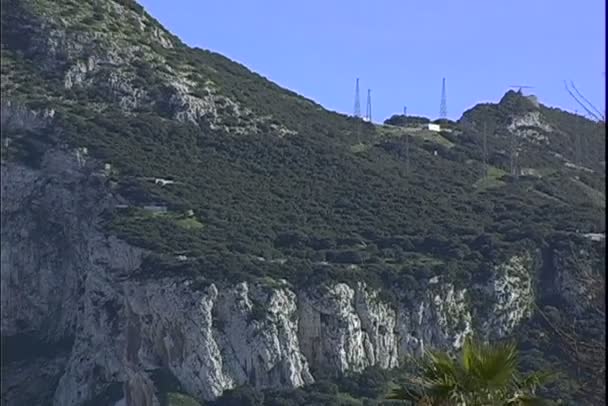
(168, 169)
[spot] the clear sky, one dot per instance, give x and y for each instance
(401, 49)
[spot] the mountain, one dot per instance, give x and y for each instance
(175, 226)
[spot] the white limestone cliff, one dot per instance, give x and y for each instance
(83, 288)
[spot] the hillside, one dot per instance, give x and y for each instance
(162, 168)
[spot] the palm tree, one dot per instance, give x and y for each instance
(485, 375)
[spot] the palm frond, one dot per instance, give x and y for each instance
(485, 374)
(525, 400)
(404, 393)
(497, 365)
(470, 352)
(443, 391)
(531, 382)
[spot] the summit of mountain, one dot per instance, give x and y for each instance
(168, 212)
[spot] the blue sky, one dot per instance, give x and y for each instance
(401, 49)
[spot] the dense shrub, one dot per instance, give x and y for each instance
(405, 121)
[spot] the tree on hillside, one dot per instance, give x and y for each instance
(584, 347)
(484, 375)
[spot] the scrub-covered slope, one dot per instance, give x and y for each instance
(166, 213)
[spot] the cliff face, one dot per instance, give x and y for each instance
(101, 100)
(101, 329)
(67, 285)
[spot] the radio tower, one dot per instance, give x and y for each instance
(368, 111)
(443, 107)
(357, 101)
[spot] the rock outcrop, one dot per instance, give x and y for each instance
(82, 288)
(83, 323)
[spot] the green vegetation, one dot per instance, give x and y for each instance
(406, 121)
(596, 197)
(492, 180)
(189, 224)
(354, 389)
(423, 134)
(179, 399)
(484, 375)
(357, 148)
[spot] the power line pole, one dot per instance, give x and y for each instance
(578, 149)
(485, 150)
(368, 113)
(357, 100)
(443, 107)
(513, 156)
(584, 151)
(407, 154)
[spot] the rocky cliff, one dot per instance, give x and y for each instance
(67, 285)
(124, 150)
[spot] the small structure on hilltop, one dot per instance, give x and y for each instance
(520, 87)
(434, 127)
(534, 100)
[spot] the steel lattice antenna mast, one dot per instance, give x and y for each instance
(357, 101)
(443, 107)
(368, 112)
